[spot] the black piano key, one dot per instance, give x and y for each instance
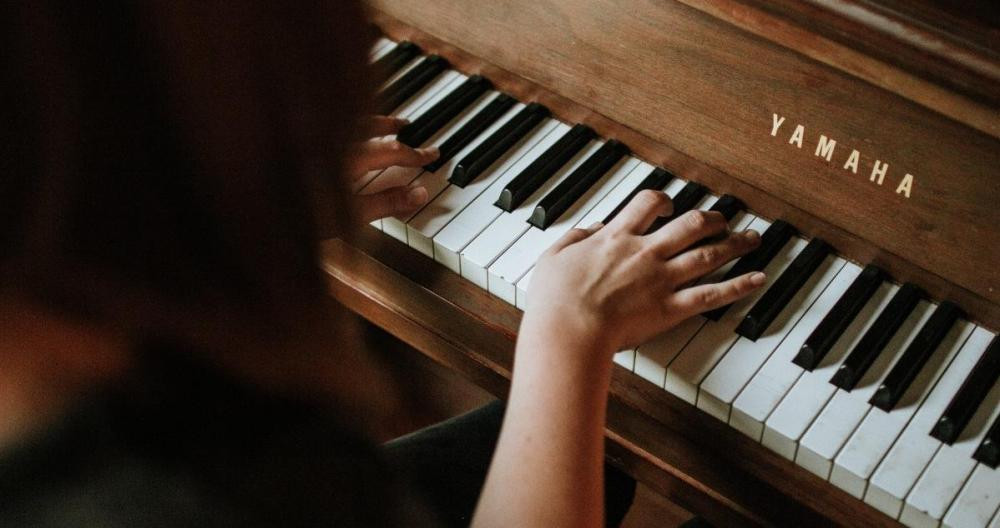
(390, 63)
(684, 201)
(409, 84)
(554, 204)
(988, 451)
(728, 205)
(657, 179)
(756, 321)
(829, 330)
(915, 357)
(878, 335)
(471, 130)
(434, 118)
(490, 150)
(539, 171)
(773, 239)
(963, 405)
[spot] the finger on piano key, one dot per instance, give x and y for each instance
(714, 339)
(717, 392)
(853, 369)
(840, 316)
(879, 429)
(653, 357)
(446, 200)
(684, 201)
(916, 356)
(773, 239)
(391, 59)
(522, 255)
(968, 398)
(422, 100)
(778, 374)
(472, 164)
(555, 204)
(609, 202)
(978, 500)
(508, 227)
(950, 468)
(380, 48)
(480, 213)
(845, 410)
(914, 449)
(810, 394)
(409, 83)
(988, 452)
(655, 179)
(430, 122)
(544, 167)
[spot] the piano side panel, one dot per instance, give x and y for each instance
(710, 90)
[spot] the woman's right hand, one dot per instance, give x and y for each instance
(610, 287)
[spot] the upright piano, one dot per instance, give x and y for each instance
(861, 137)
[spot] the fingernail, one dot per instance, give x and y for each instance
(431, 151)
(595, 226)
(758, 278)
(402, 121)
(751, 235)
(416, 196)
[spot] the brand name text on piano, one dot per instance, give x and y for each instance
(825, 148)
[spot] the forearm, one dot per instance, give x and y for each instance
(548, 467)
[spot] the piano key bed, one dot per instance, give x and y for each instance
(862, 382)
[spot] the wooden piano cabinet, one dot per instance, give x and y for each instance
(666, 443)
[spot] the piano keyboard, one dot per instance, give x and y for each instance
(863, 382)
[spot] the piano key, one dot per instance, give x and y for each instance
(394, 59)
(978, 500)
(434, 118)
(700, 355)
(784, 288)
(728, 206)
(915, 357)
(988, 452)
(564, 195)
(879, 429)
(685, 200)
(522, 255)
(840, 316)
(626, 359)
(480, 213)
(656, 179)
(812, 391)
(490, 150)
(542, 168)
(477, 257)
(950, 468)
(445, 200)
(472, 130)
(771, 242)
(778, 374)
(653, 357)
(845, 410)
(914, 449)
(878, 336)
(409, 83)
(955, 417)
(381, 46)
(717, 392)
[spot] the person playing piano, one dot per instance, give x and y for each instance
(169, 353)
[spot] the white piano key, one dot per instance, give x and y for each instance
(479, 214)
(508, 227)
(515, 262)
(977, 502)
(810, 394)
(872, 439)
(626, 358)
(444, 205)
(653, 357)
(717, 392)
(996, 520)
(842, 415)
(381, 47)
(765, 390)
(915, 447)
(950, 467)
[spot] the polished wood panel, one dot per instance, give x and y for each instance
(674, 448)
(700, 108)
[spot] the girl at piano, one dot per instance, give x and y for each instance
(168, 353)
